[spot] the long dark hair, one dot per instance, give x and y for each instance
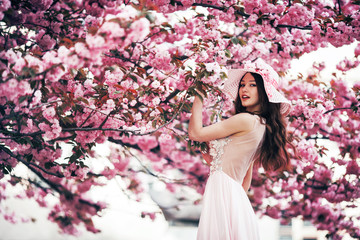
(273, 154)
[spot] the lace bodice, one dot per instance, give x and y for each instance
(234, 154)
(216, 151)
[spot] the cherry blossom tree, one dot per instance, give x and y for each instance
(123, 73)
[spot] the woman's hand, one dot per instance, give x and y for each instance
(199, 94)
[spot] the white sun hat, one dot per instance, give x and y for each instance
(271, 82)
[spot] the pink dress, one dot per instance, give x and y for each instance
(227, 213)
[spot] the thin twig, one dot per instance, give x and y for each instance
(220, 8)
(162, 178)
(331, 110)
(338, 1)
(308, 27)
(90, 114)
(32, 182)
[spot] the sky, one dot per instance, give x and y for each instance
(331, 56)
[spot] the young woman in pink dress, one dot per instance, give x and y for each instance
(256, 133)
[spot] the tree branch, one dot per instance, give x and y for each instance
(30, 165)
(172, 95)
(338, 1)
(308, 27)
(51, 184)
(161, 178)
(106, 118)
(31, 182)
(317, 137)
(335, 135)
(90, 114)
(345, 108)
(58, 188)
(224, 9)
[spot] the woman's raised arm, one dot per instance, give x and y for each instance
(239, 123)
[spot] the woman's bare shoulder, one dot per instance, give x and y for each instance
(245, 116)
(246, 120)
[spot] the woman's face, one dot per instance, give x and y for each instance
(248, 93)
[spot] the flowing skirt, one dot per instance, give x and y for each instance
(227, 213)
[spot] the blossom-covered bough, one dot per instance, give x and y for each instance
(84, 73)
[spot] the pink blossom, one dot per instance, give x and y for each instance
(138, 31)
(122, 164)
(151, 215)
(81, 172)
(252, 19)
(346, 64)
(82, 50)
(212, 67)
(146, 143)
(42, 4)
(161, 60)
(112, 78)
(352, 167)
(297, 15)
(44, 40)
(112, 29)
(5, 5)
(156, 101)
(44, 127)
(95, 41)
(49, 113)
(86, 137)
(251, 5)
(357, 50)
(155, 84)
(69, 58)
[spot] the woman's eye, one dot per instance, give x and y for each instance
(253, 85)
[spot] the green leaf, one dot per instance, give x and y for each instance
(189, 144)
(235, 40)
(133, 77)
(203, 146)
(227, 53)
(202, 88)
(199, 95)
(84, 100)
(150, 17)
(200, 15)
(355, 108)
(154, 123)
(32, 84)
(22, 99)
(6, 169)
(212, 117)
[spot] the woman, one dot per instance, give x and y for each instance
(256, 132)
